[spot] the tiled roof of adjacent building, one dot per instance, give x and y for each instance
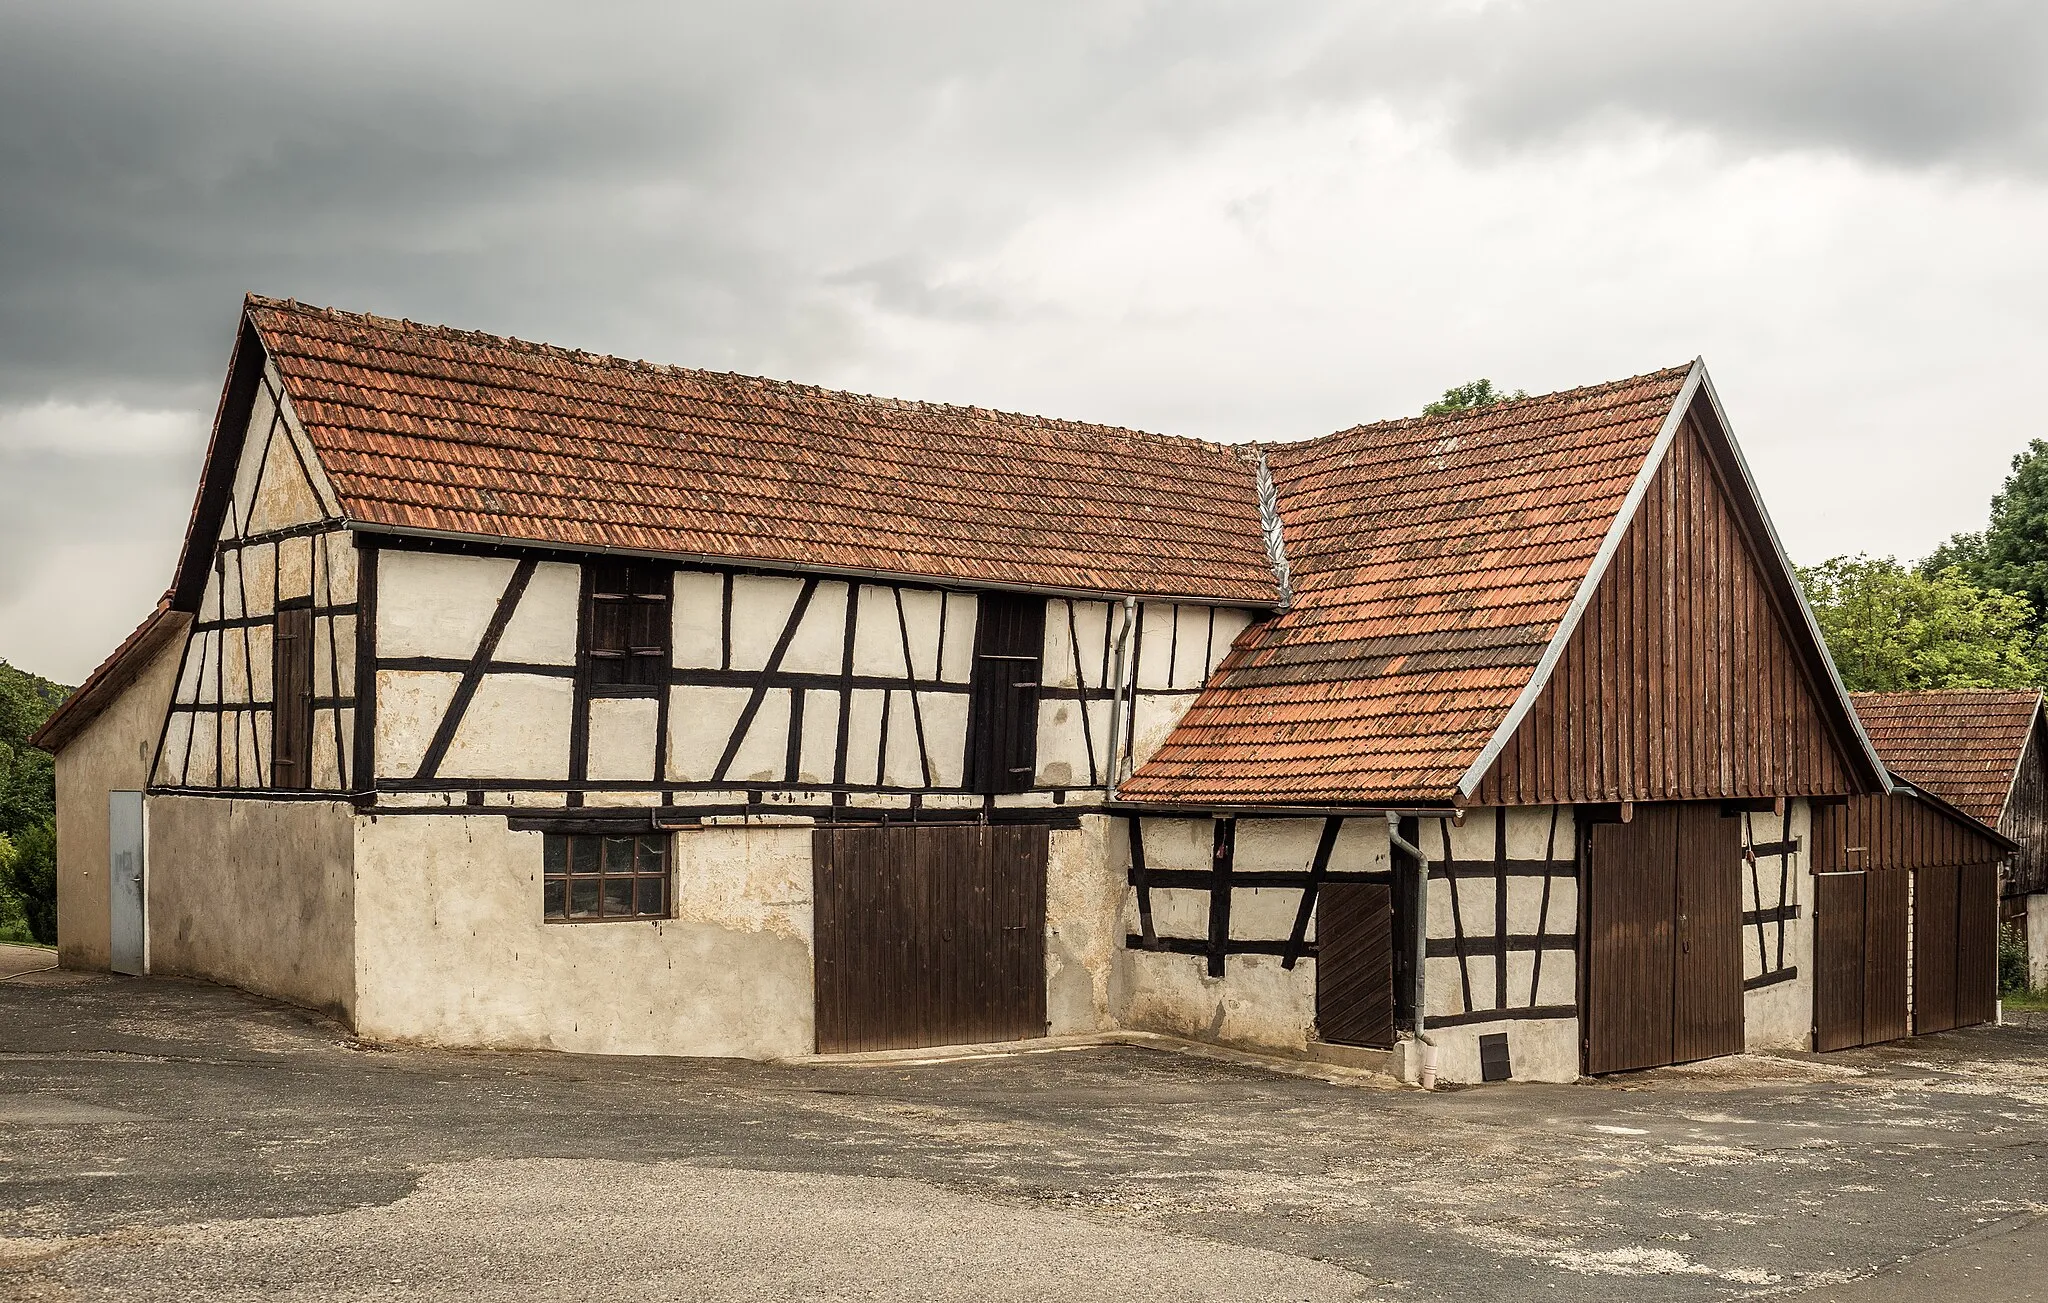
(1433, 559)
(1962, 744)
(428, 429)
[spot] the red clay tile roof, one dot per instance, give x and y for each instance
(1432, 559)
(1962, 744)
(423, 428)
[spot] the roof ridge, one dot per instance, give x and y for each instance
(407, 326)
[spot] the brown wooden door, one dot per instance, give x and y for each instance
(1707, 986)
(1839, 958)
(1887, 942)
(1976, 944)
(1355, 964)
(1631, 883)
(1663, 943)
(1934, 949)
(928, 935)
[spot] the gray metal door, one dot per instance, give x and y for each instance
(124, 881)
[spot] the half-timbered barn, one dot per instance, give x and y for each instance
(507, 695)
(1984, 752)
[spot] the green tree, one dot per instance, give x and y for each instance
(28, 808)
(2011, 555)
(1892, 629)
(1471, 396)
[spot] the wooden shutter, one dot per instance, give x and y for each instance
(291, 691)
(1002, 716)
(626, 630)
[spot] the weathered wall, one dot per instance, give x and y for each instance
(257, 894)
(2037, 940)
(1499, 874)
(1256, 1003)
(1779, 1015)
(111, 754)
(452, 950)
(217, 733)
(1084, 925)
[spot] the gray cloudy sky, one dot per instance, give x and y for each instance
(1217, 219)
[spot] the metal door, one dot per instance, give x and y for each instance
(125, 887)
(928, 935)
(1355, 964)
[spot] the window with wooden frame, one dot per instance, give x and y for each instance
(626, 623)
(592, 877)
(1002, 710)
(291, 696)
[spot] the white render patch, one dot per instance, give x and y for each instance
(622, 735)
(517, 726)
(699, 723)
(410, 704)
(436, 603)
(542, 630)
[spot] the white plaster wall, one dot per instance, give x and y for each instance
(451, 947)
(517, 726)
(542, 630)
(1084, 932)
(1539, 1049)
(436, 603)
(622, 736)
(2037, 940)
(1257, 1003)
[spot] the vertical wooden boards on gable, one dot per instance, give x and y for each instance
(1681, 681)
(2025, 819)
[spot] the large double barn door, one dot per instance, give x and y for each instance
(1663, 938)
(928, 935)
(1859, 951)
(1955, 946)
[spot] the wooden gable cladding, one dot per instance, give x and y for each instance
(1900, 831)
(1681, 680)
(2026, 817)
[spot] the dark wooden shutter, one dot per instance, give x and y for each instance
(626, 630)
(1002, 715)
(291, 693)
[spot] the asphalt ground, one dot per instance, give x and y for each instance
(174, 1140)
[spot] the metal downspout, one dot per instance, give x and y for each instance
(1425, 1074)
(1113, 775)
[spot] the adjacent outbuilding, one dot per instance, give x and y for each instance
(512, 696)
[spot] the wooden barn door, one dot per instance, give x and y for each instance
(1355, 964)
(1860, 949)
(928, 935)
(1707, 988)
(1663, 958)
(1976, 944)
(1934, 949)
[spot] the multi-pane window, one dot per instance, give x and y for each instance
(590, 876)
(626, 625)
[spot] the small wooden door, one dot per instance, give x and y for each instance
(1663, 939)
(928, 935)
(1355, 964)
(1860, 950)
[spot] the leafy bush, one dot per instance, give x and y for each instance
(13, 918)
(28, 883)
(2012, 960)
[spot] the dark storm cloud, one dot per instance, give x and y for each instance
(710, 183)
